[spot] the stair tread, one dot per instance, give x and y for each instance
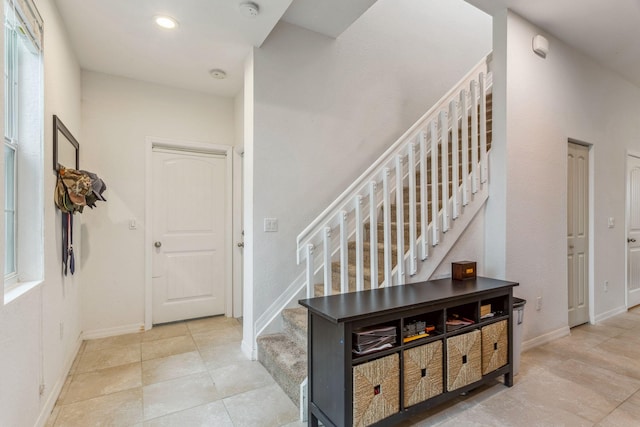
(286, 353)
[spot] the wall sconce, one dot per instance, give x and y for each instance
(540, 46)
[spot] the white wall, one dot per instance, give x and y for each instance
(117, 115)
(548, 101)
(32, 351)
(325, 109)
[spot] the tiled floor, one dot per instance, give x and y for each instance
(182, 374)
(193, 374)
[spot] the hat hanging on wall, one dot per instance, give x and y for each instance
(75, 189)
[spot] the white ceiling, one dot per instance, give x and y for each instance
(606, 30)
(120, 37)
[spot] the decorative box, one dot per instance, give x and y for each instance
(463, 270)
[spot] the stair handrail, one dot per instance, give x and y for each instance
(359, 185)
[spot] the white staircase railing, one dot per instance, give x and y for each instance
(433, 143)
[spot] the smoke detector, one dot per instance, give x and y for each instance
(217, 73)
(249, 9)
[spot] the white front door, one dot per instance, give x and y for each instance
(188, 262)
(578, 233)
(633, 231)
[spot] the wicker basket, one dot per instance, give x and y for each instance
(464, 360)
(422, 373)
(376, 390)
(495, 346)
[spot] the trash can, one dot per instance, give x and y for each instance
(518, 317)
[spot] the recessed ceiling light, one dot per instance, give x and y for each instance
(249, 9)
(165, 21)
(217, 73)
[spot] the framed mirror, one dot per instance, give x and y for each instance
(66, 149)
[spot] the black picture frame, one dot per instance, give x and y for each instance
(66, 148)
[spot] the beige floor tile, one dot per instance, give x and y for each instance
(167, 347)
(117, 409)
(166, 368)
(240, 377)
(553, 393)
(64, 390)
(211, 414)
(614, 387)
(601, 329)
(208, 324)
(117, 341)
(109, 357)
(220, 355)
(218, 336)
(165, 331)
(619, 418)
(104, 381)
(275, 408)
(509, 411)
(178, 394)
(473, 417)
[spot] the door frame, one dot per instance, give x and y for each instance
(591, 226)
(629, 153)
(152, 142)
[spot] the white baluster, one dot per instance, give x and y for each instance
(344, 253)
(310, 281)
(327, 261)
(400, 219)
(386, 210)
(359, 246)
(455, 163)
(464, 143)
(412, 210)
(444, 138)
(474, 137)
(424, 203)
(483, 130)
(434, 185)
(373, 233)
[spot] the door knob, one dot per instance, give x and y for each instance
(631, 240)
(157, 244)
(241, 244)
(570, 246)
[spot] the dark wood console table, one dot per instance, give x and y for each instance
(417, 370)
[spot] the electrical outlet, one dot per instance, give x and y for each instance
(539, 303)
(606, 286)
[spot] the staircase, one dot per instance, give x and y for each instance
(441, 166)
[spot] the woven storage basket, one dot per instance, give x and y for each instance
(464, 360)
(495, 346)
(376, 390)
(422, 373)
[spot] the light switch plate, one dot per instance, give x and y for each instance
(271, 225)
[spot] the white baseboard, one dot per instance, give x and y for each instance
(110, 332)
(249, 350)
(52, 398)
(545, 338)
(607, 314)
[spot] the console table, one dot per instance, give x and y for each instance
(468, 343)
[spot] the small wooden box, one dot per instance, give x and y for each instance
(463, 270)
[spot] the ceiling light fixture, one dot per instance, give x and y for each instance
(249, 9)
(165, 21)
(217, 73)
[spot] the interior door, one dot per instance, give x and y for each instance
(633, 231)
(188, 263)
(578, 233)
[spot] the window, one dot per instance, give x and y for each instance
(23, 132)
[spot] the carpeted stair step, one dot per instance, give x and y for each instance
(366, 253)
(295, 325)
(286, 361)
